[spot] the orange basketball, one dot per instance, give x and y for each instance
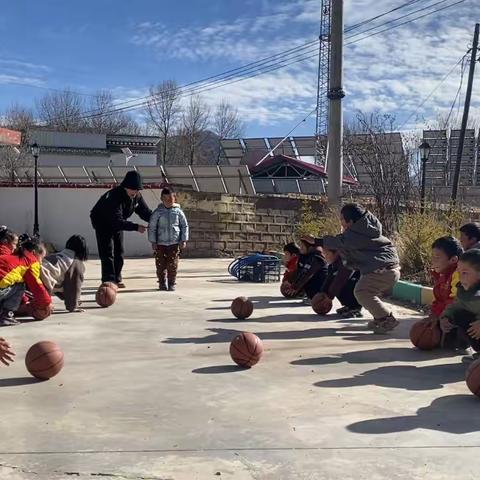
(110, 285)
(242, 307)
(105, 296)
(321, 304)
(425, 336)
(41, 313)
(44, 360)
(246, 349)
(472, 377)
(285, 290)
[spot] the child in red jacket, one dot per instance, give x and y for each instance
(8, 241)
(17, 271)
(445, 254)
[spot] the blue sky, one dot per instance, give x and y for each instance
(125, 46)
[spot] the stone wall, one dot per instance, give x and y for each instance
(224, 225)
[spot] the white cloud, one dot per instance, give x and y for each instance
(12, 79)
(392, 72)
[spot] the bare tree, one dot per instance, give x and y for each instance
(195, 122)
(12, 159)
(226, 124)
(381, 160)
(62, 111)
(163, 113)
(105, 118)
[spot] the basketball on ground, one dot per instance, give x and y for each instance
(242, 308)
(472, 377)
(41, 313)
(112, 285)
(246, 349)
(286, 291)
(321, 304)
(44, 360)
(105, 296)
(425, 336)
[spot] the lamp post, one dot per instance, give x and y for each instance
(424, 149)
(35, 153)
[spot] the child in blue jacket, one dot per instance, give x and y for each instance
(168, 234)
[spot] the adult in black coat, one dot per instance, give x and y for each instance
(109, 219)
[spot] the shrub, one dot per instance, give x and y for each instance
(318, 224)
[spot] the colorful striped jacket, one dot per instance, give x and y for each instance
(14, 269)
(444, 290)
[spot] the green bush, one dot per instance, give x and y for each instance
(416, 233)
(318, 224)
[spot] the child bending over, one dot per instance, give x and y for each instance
(340, 283)
(63, 272)
(17, 271)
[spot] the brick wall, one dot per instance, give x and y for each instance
(224, 225)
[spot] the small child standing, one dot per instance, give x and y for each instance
(17, 271)
(340, 283)
(363, 247)
(8, 241)
(63, 272)
(311, 271)
(168, 234)
(464, 313)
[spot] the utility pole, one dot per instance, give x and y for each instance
(466, 110)
(335, 120)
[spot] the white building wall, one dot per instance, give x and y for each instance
(64, 212)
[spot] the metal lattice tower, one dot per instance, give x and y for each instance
(323, 85)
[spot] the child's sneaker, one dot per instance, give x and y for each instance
(352, 313)
(172, 287)
(342, 310)
(7, 319)
(384, 325)
(162, 286)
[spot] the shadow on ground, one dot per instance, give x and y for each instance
(219, 369)
(18, 381)
(452, 414)
(407, 377)
(379, 355)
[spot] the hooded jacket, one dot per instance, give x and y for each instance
(113, 208)
(363, 246)
(26, 269)
(168, 226)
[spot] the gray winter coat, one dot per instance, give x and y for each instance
(363, 247)
(168, 226)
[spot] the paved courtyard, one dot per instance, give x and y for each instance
(149, 391)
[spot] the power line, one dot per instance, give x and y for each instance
(439, 84)
(407, 22)
(246, 69)
(265, 65)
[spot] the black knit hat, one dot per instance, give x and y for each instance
(133, 181)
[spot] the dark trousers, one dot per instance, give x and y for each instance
(110, 251)
(346, 296)
(463, 320)
(166, 261)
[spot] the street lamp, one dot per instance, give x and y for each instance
(424, 149)
(35, 153)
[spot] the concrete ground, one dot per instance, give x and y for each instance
(148, 391)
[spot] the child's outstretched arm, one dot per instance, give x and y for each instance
(41, 297)
(6, 352)
(72, 285)
(305, 276)
(184, 229)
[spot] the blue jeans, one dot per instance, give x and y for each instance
(11, 297)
